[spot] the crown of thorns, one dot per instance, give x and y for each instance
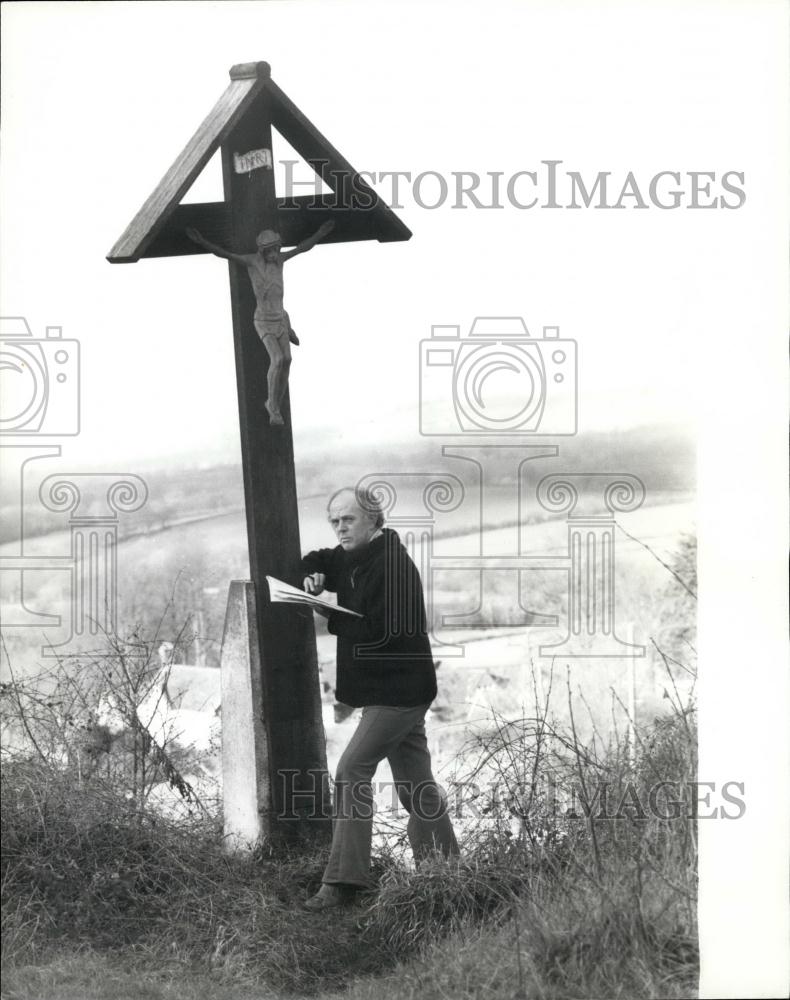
(267, 238)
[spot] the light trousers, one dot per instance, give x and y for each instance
(399, 735)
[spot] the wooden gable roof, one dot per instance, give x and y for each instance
(157, 229)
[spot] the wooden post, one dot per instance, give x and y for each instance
(246, 784)
(289, 665)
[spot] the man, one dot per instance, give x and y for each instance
(384, 663)
(272, 323)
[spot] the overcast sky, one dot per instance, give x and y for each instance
(679, 314)
(98, 99)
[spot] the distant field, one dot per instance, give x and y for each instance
(178, 571)
(486, 670)
(191, 566)
(177, 556)
(663, 457)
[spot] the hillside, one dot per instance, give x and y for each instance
(663, 457)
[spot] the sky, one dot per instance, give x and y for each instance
(100, 98)
(678, 315)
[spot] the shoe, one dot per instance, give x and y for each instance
(330, 897)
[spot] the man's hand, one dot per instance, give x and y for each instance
(325, 228)
(314, 584)
(194, 235)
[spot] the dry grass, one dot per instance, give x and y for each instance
(607, 909)
(561, 891)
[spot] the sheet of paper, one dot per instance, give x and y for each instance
(285, 593)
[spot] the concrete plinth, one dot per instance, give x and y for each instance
(246, 791)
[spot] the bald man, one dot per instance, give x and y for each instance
(384, 665)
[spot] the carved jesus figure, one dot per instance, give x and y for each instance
(272, 323)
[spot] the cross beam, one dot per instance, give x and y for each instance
(241, 126)
(158, 228)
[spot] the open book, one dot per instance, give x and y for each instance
(285, 593)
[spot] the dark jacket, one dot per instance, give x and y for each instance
(383, 658)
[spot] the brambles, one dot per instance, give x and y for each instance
(576, 845)
(577, 876)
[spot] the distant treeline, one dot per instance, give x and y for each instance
(664, 458)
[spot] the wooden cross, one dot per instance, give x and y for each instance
(241, 124)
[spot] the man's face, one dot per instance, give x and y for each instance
(271, 251)
(353, 526)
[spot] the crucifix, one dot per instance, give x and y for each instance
(272, 322)
(283, 637)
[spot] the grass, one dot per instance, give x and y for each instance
(88, 975)
(523, 952)
(78, 874)
(560, 891)
(100, 900)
